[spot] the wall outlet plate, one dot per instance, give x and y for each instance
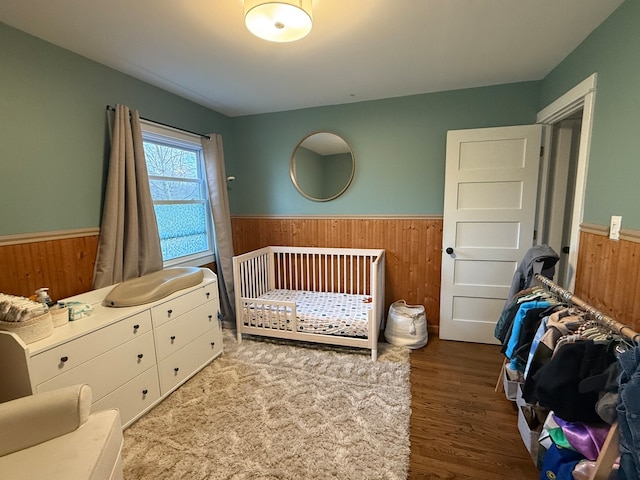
(614, 229)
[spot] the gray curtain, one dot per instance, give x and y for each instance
(217, 182)
(129, 244)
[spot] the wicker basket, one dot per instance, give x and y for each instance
(31, 330)
(60, 316)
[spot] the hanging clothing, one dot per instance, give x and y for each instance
(559, 324)
(558, 383)
(503, 326)
(629, 414)
(586, 369)
(538, 259)
(542, 328)
(525, 324)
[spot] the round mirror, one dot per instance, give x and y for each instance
(322, 166)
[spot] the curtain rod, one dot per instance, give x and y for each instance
(112, 109)
(600, 317)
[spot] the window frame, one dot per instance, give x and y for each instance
(172, 137)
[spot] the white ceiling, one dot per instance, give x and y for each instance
(358, 49)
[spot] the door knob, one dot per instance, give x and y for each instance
(449, 250)
(565, 249)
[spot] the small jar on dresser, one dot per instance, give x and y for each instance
(132, 357)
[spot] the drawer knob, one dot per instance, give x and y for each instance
(145, 391)
(136, 327)
(176, 369)
(213, 344)
(140, 355)
(64, 359)
(169, 312)
(172, 337)
(210, 317)
(207, 295)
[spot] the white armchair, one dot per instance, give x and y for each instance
(54, 435)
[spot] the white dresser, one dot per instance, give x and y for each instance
(132, 357)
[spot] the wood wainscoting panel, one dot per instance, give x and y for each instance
(607, 273)
(607, 276)
(64, 265)
(413, 248)
(62, 261)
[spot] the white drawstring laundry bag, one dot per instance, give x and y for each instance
(406, 325)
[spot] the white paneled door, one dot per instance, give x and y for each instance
(491, 187)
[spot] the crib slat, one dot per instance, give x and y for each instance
(243, 279)
(290, 272)
(332, 285)
(255, 273)
(253, 268)
(247, 275)
(333, 272)
(263, 275)
(329, 273)
(316, 258)
(255, 264)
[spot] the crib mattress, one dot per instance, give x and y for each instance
(325, 313)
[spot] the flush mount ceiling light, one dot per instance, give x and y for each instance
(280, 21)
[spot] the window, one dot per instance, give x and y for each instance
(179, 191)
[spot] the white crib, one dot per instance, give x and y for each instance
(324, 295)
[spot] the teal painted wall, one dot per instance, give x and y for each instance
(54, 138)
(613, 51)
(54, 141)
(321, 176)
(309, 172)
(337, 171)
(398, 145)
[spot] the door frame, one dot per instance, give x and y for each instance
(582, 96)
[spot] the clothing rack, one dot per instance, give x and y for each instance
(610, 450)
(621, 329)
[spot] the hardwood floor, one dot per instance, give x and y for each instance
(460, 427)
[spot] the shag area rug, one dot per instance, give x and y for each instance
(272, 409)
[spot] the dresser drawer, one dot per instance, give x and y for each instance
(175, 334)
(210, 290)
(178, 306)
(108, 371)
(67, 356)
(174, 369)
(133, 397)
